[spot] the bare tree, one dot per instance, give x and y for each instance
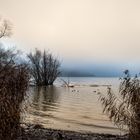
(5, 28)
(53, 69)
(44, 67)
(35, 68)
(14, 79)
(124, 110)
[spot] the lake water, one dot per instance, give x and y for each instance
(76, 109)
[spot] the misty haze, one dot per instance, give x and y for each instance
(69, 69)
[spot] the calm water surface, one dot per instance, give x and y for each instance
(75, 108)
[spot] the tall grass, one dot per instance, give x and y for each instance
(124, 110)
(13, 85)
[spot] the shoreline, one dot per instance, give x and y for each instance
(37, 132)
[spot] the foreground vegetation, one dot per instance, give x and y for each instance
(124, 110)
(14, 79)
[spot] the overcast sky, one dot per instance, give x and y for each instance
(101, 33)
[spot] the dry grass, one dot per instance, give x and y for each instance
(13, 85)
(125, 110)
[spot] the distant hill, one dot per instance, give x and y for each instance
(67, 73)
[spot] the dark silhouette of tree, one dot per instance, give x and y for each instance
(124, 110)
(35, 67)
(14, 79)
(44, 67)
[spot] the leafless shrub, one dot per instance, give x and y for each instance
(13, 85)
(44, 67)
(125, 109)
(5, 28)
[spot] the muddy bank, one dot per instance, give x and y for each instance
(37, 132)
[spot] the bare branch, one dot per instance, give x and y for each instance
(44, 67)
(125, 110)
(5, 29)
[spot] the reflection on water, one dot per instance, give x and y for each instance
(44, 98)
(76, 108)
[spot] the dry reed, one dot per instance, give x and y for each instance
(13, 85)
(124, 110)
